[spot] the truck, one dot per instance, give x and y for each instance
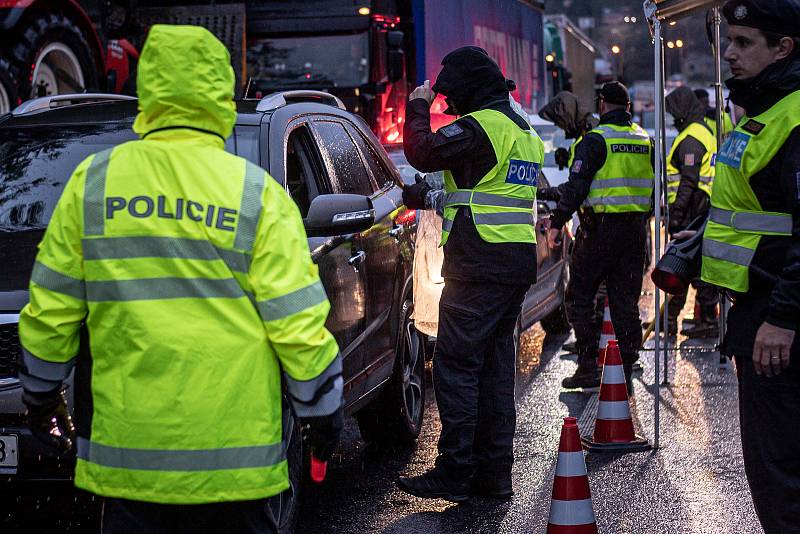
(570, 58)
(369, 53)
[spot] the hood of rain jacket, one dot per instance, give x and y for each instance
(684, 107)
(471, 80)
(568, 113)
(185, 79)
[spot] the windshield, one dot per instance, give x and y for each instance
(35, 164)
(316, 61)
(553, 138)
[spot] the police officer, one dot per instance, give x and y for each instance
(491, 160)
(191, 313)
(612, 174)
(690, 175)
(568, 113)
(751, 246)
(711, 114)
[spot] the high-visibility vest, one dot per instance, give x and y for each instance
(625, 183)
(737, 221)
(503, 202)
(572, 152)
(709, 142)
(192, 271)
(727, 125)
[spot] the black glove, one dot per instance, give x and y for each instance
(676, 221)
(323, 433)
(562, 158)
(414, 195)
(49, 419)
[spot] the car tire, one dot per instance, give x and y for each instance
(8, 88)
(55, 50)
(285, 507)
(396, 416)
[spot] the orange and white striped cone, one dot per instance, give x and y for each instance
(606, 335)
(613, 428)
(571, 509)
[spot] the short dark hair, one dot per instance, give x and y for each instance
(774, 39)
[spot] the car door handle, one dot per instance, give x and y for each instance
(396, 232)
(357, 259)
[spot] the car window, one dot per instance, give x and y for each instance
(345, 166)
(244, 143)
(36, 162)
(379, 172)
(304, 174)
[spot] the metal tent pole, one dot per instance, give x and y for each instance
(665, 220)
(723, 302)
(659, 103)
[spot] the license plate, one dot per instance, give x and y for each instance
(9, 454)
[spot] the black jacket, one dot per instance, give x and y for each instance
(465, 150)
(590, 156)
(774, 293)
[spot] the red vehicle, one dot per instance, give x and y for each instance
(52, 47)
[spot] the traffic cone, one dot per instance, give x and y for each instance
(606, 335)
(613, 428)
(571, 509)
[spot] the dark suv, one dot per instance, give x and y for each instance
(328, 161)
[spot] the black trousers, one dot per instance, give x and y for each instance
(474, 366)
(121, 516)
(612, 253)
(769, 411)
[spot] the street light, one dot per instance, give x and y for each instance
(679, 43)
(615, 49)
(627, 19)
(363, 10)
(633, 19)
(549, 58)
(670, 44)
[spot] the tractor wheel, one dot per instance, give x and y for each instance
(8, 88)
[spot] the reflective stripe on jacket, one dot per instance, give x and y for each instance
(625, 182)
(737, 221)
(706, 138)
(191, 269)
(503, 203)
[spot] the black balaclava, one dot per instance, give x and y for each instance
(470, 80)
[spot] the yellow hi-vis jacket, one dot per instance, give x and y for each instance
(625, 182)
(503, 202)
(737, 221)
(709, 142)
(191, 269)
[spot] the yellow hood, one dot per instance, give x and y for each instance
(185, 78)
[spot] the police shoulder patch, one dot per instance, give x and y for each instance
(688, 159)
(753, 127)
(451, 130)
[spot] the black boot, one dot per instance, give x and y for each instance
(587, 375)
(707, 327)
(493, 485)
(436, 484)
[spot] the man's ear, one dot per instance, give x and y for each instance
(785, 48)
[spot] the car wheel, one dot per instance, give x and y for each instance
(396, 416)
(8, 88)
(53, 57)
(285, 507)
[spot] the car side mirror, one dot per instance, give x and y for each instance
(331, 215)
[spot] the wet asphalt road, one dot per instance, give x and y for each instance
(694, 483)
